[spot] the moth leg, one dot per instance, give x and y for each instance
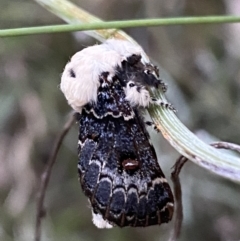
(163, 104)
(163, 86)
(150, 123)
(178, 197)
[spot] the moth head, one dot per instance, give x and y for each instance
(80, 78)
(135, 63)
(150, 75)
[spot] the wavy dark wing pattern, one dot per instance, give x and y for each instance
(118, 167)
(108, 86)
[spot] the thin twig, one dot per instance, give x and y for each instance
(118, 24)
(178, 190)
(178, 198)
(226, 145)
(46, 175)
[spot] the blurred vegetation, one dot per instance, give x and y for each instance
(200, 63)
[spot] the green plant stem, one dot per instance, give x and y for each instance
(118, 25)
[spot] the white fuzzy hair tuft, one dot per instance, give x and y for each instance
(135, 97)
(80, 78)
(87, 65)
(126, 49)
(99, 222)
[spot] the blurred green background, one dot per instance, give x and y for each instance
(200, 63)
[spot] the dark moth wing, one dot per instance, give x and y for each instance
(118, 167)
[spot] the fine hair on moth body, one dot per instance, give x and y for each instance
(107, 85)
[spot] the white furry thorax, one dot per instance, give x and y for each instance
(88, 64)
(126, 49)
(137, 95)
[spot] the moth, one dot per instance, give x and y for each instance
(108, 86)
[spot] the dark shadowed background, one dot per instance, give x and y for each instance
(200, 63)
